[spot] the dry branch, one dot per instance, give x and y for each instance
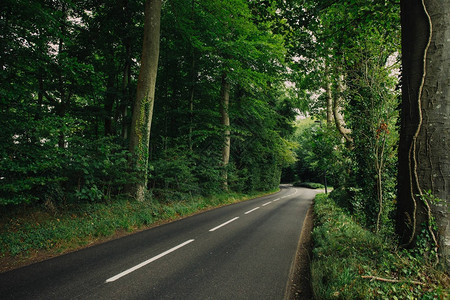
(391, 280)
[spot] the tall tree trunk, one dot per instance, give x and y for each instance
(62, 105)
(145, 96)
(192, 87)
(328, 87)
(224, 106)
(337, 106)
(191, 100)
(425, 124)
(110, 98)
(126, 73)
(125, 96)
(329, 92)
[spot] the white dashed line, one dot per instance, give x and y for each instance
(223, 224)
(246, 213)
(142, 264)
(130, 270)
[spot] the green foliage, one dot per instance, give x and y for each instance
(319, 151)
(204, 40)
(51, 110)
(344, 252)
(45, 173)
(372, 115)
(354, 66)
(98, 169)
(69, 75)
(370, 108)
(173, 174)
(29, 162)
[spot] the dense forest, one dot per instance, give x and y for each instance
(167, 100)
(70, 75)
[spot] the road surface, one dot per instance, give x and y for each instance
(240, 251)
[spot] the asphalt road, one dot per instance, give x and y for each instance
(241, 251)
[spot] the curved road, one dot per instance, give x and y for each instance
(241, 251)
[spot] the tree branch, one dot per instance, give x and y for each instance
(391, 280)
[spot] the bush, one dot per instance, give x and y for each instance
(87, 170)
(172, 176)
(29, 160)
(97, 169)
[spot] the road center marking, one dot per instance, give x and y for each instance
(142, 264)
(276, 199)
(223, 224)
(251, 210)
(267, 203)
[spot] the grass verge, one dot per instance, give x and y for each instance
(350, 262)
(37, 234)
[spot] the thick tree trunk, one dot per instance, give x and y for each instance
(425, 124)
(145, 94)
(224, 105)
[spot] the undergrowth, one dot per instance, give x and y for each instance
(73, 227)
(350, 262)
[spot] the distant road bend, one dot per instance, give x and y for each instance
(240, 251)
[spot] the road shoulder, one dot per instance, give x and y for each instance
(299, 284)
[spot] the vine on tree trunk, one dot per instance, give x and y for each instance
(412, 149)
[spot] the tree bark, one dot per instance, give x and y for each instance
(329, 92)
(193, 77)
(63, 98)
(110, 98)
(191, 99)
(330, 117)
(425, 123)
(224, 106)
(338, 117)
(125, 93)
(126, 73)
(145, 96)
